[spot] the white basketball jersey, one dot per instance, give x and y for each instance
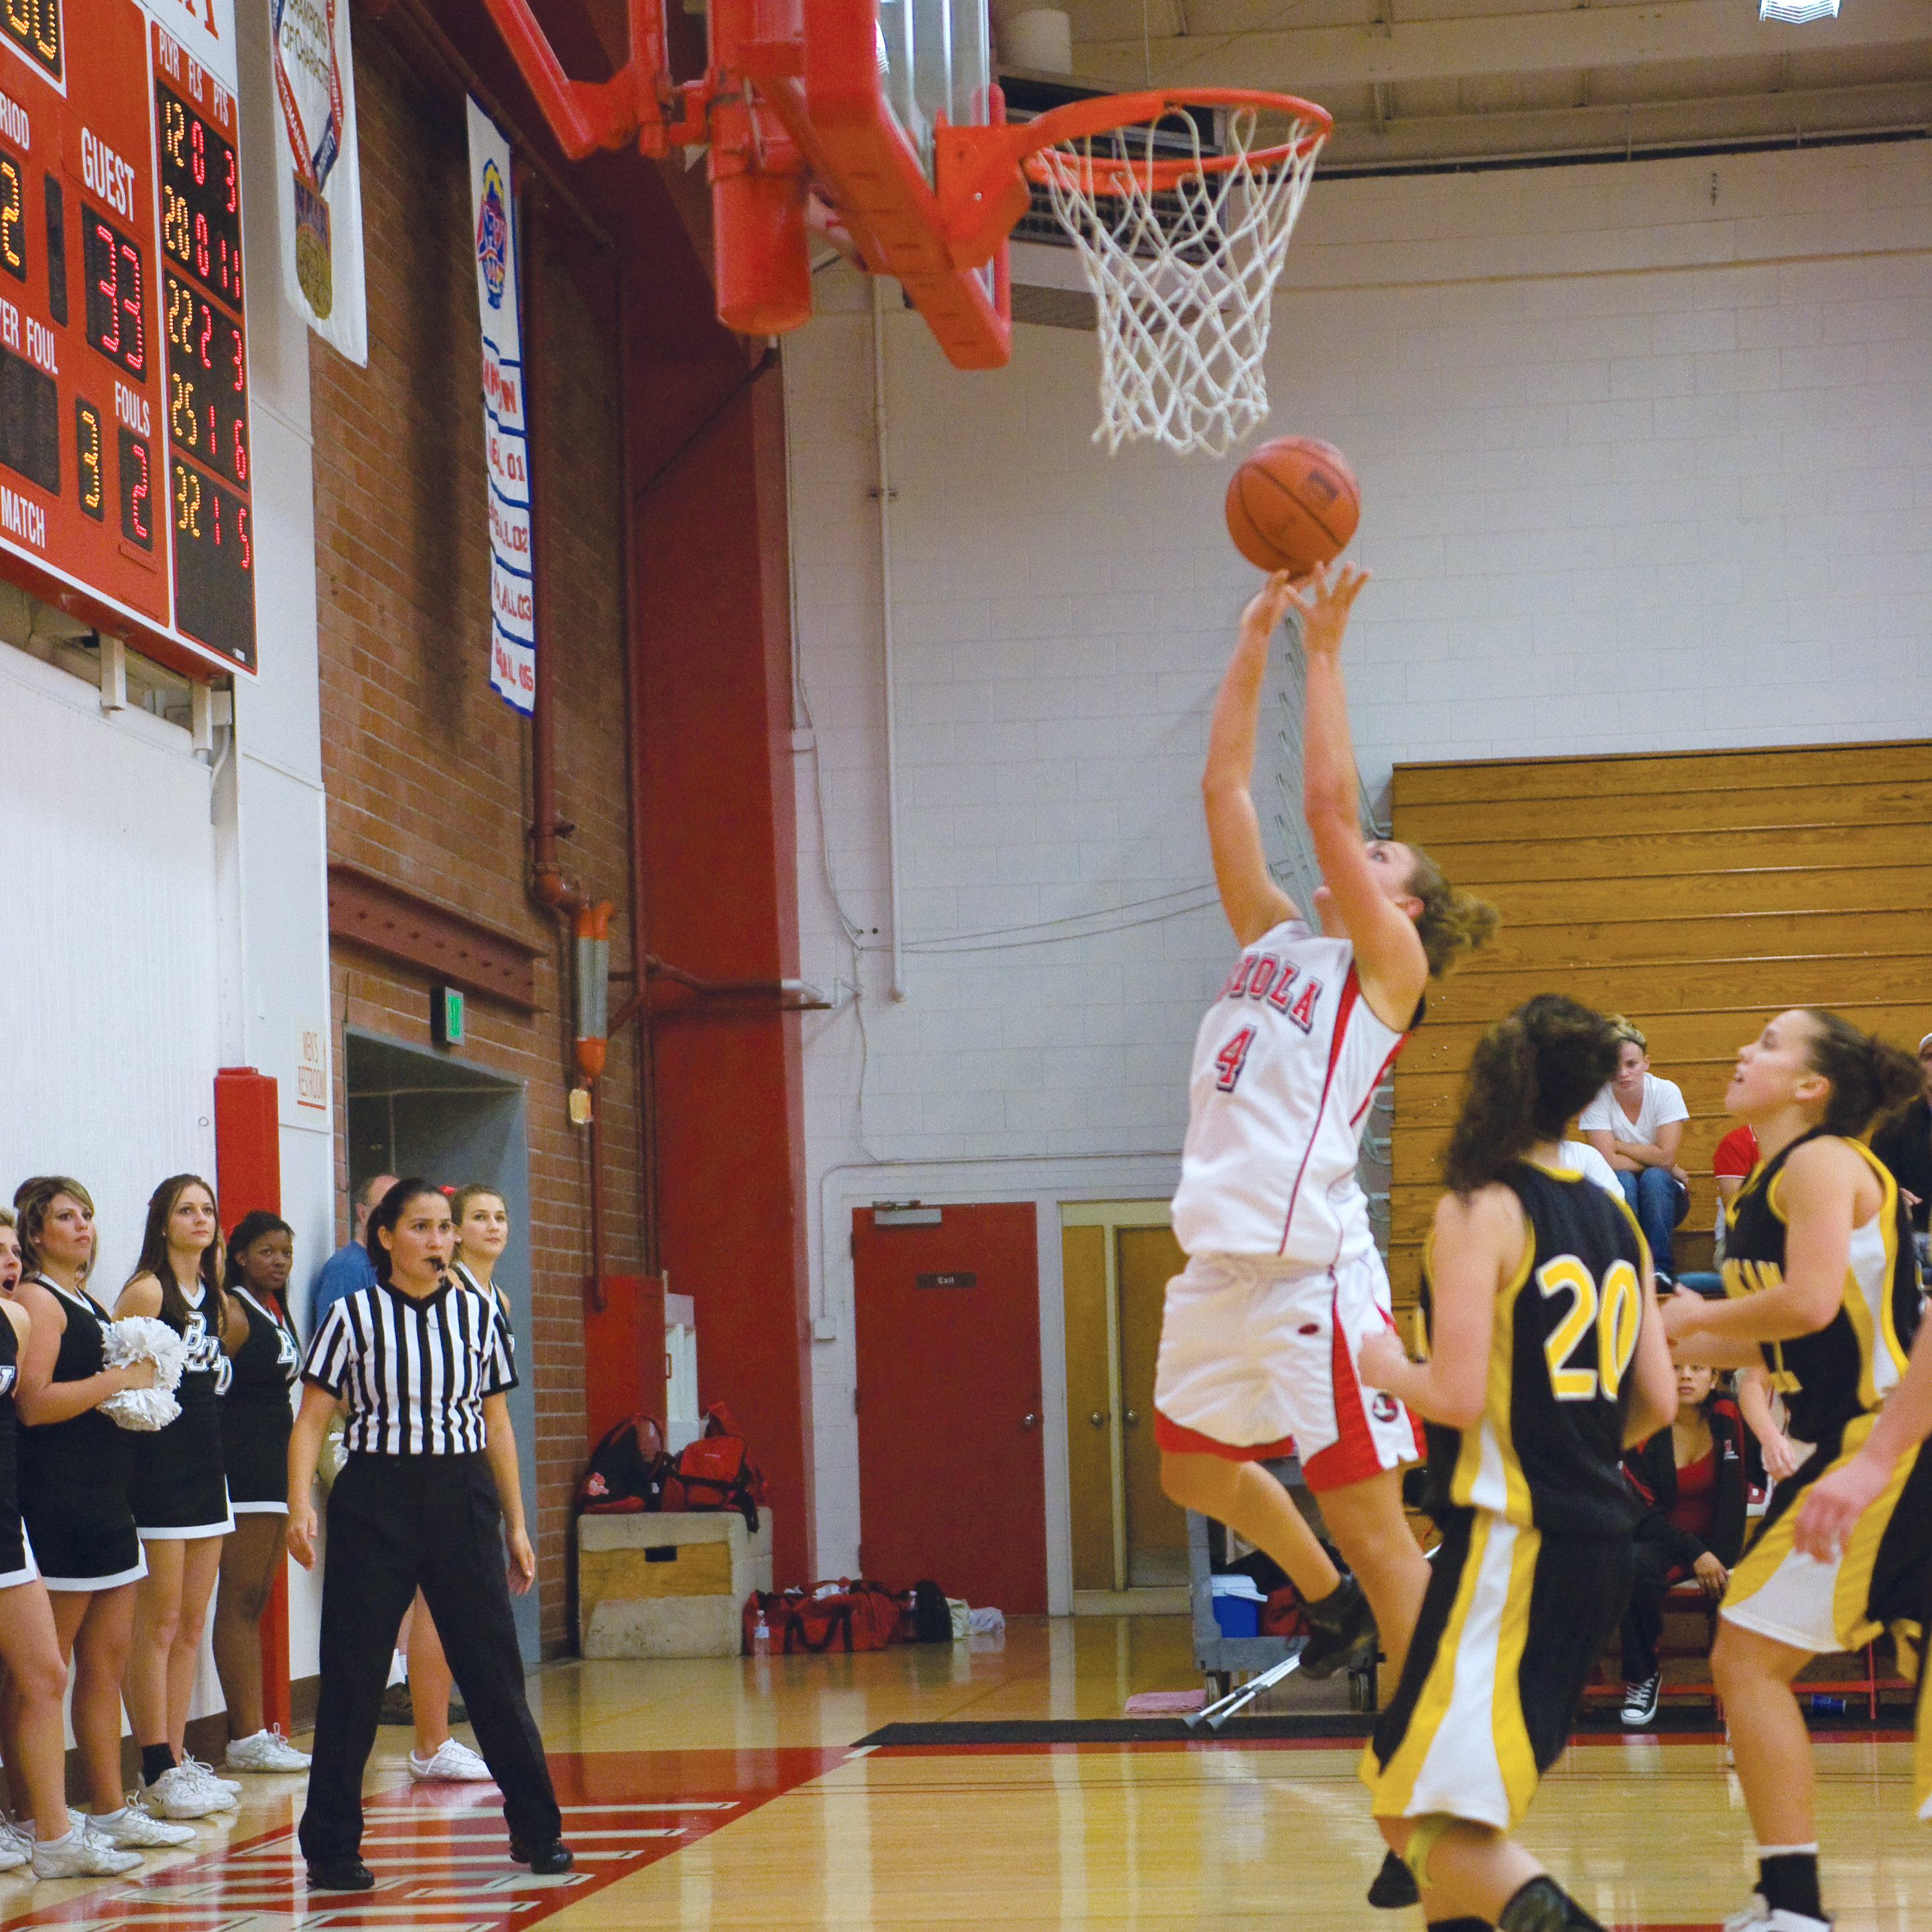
(1285, 1065)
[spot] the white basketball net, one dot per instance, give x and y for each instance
(1183, 277)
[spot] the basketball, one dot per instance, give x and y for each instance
(1293, 504)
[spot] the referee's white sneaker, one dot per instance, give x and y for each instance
(181, 1792)
(134, 1829)
(80, 1853)
(450, 1763)
(266, 1751)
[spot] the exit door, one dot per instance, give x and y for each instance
(951, 1472)
(1117, 1259)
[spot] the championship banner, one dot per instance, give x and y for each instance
(513, 634)
(318, 183)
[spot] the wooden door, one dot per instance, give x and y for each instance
(1090, 1406)
(952, 1475)
(1157, 1528)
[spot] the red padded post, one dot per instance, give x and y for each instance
(624, 1353)
(248, 1175)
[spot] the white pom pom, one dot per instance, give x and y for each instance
(143, 1338)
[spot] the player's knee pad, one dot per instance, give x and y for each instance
(1543, 1905)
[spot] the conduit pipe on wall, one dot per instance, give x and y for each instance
(882, 440)
(553, 888)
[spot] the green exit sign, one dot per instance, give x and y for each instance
(445, 1015)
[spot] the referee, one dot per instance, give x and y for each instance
(420, 1364)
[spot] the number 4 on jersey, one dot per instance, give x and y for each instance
(1229, 1061)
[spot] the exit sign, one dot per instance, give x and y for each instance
(445, 1015)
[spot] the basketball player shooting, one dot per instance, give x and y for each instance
(1260, 1332)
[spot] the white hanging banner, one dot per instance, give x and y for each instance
(319, 179)
(513, 633)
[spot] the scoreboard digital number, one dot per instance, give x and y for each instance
(125, 461)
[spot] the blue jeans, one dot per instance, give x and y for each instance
(1659, 1201)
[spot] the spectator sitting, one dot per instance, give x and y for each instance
(1636, 1123)
(1592, 1166)
(1691, 1476)
(1731, 1164)
(1904, 1144)
(350, 1268)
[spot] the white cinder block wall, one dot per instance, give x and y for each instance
(1645, 454)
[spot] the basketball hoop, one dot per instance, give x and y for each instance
(1182, 251)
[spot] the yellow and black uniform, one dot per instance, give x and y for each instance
(1534, 1567)
(1833, 1381)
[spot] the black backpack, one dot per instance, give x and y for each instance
(628, 1470)
(932, 1617)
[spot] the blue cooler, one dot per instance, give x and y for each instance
(1237, 1605)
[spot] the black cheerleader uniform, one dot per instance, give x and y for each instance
(73, 1474)
(177, 1489)
(257, 1419)
(1833, 1381)
(1534, 1570)
(17, 1556)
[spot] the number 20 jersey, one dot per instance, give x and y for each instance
(1545, 1454)
(1286, 1064)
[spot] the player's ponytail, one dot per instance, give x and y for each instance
(1530, 1076)
(1870, 1078)
(1451, 925)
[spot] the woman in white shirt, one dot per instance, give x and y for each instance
(1636, 1123)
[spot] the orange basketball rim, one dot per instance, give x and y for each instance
(793, 110)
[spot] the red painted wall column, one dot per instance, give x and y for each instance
(248, 1175)
(711, 684)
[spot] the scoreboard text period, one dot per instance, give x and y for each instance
(124, 458)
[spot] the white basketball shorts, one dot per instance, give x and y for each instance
(1258, 1360)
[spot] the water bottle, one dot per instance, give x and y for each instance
(1833, 1706)
(761, 1637)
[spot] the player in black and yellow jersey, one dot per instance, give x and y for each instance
(1547, 1359)
(1822, 1285)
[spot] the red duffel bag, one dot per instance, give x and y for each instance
(842, 1616)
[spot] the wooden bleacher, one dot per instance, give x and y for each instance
(1698, 892)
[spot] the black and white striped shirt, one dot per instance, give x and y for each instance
(413, 1374)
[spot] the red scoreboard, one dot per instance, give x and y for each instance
(124, 462)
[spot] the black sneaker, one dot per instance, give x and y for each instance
(1342, 1626)
(546, 1860)
(1640, 1700)
(348, 1874)
(1395, 1886)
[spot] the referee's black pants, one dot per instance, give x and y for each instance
(395, 1523)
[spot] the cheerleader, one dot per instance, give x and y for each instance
(74, 1471)
(36, 1679)
(179, 1493)
(9, 1252)
(257, 1418)
(428, 1497)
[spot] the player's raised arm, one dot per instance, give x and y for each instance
(1380, 922)
(1250, 896)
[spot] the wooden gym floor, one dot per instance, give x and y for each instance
(724, 1795)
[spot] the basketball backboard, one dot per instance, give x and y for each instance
(936, 58)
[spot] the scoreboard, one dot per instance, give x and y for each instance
(124, 459)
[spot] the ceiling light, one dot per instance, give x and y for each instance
(1795, 12)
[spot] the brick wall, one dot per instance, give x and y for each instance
(1644, 454)
(426, 769)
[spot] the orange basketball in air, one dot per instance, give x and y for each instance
(1293, 504)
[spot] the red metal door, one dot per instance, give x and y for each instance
(952, 1475)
